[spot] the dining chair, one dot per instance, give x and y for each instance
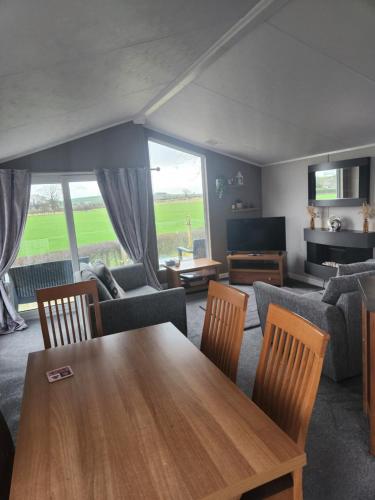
(69, 319)
(224, 326)
(6, 459)
(286, 384)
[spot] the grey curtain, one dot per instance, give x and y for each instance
(126, 195)
(14, 204)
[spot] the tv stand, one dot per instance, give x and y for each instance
(246, 267)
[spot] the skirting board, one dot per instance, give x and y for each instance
(306, 278)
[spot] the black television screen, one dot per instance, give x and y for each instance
(267, 233)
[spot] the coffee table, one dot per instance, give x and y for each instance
(208, 269)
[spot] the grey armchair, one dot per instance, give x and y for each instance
(143, 304)
(341, 321)
(198, 250)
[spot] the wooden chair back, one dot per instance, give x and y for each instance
(69, 319)
(223, 327)
(289, 370)
(6, 459)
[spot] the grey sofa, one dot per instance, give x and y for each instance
(340, 317)
(142, 305)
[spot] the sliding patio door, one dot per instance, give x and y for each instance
(67, 226)
(44, 255)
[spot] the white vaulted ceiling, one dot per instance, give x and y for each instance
(301, 81)
(71, 66)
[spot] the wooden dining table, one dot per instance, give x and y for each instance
(146, 415)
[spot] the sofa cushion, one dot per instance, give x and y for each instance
(342, 284)
(356, 267)
(103, 292)
(142, 290)
(105, 275)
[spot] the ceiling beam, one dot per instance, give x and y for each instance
(262, 11)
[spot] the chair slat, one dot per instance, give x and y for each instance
(58, 322)
(77, 318)
(83, 317)
(69, 324)
(72, 321)
(223, 326)
(52, 324)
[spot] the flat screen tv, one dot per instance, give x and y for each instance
(256, 235)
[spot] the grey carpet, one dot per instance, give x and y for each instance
(339, 465)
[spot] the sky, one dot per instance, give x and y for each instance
(179, 170)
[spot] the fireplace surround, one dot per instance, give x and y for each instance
(341, 247)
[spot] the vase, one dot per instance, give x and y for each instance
(312, 223)
(365, 225)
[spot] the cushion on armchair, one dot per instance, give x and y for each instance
(103, 292)
(106, 277)
(342, 284)
(355, 267)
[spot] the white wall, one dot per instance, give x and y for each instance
(285, 192)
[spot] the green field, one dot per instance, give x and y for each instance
(48, 232)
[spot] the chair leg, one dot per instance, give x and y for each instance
(297, 485)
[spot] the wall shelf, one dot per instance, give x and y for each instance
(250, 209)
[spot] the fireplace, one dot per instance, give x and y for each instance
(319, 254)
(326, 249)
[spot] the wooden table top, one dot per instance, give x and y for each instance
(146, 415)
(194, 265)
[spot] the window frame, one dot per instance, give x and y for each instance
(204, 189)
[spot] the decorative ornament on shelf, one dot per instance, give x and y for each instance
(334, 223)
(221, 186)
(368, 212)
(313, 215)
(239, 178)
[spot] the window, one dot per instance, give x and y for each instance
(67, 225)
(96, 239)
(179, 202)
(45, 238)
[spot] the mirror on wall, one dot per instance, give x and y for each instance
(341, 183)
(337, 183)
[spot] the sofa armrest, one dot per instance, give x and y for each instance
(350, 304)
(321, 314)
(129, 277)
(137, 312)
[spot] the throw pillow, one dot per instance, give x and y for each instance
(105, 275)
(103, 292)
(342, 284)
(356, 267)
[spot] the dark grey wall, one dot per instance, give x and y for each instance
(120, 146)
(285, 192)
(125, 146)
